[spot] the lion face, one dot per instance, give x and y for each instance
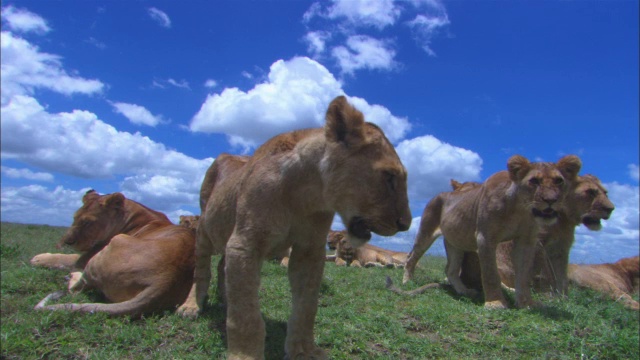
(334, 237)
(345, 251)
(364, 179)
(543, 185)
(95, 222)
(189, 221)
(590, 202)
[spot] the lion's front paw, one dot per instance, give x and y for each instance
(189, 310)
(42, 260)
(407, 276)
(75, 282)
(496, 304)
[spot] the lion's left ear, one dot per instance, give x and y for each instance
(569, 166)
(345, 124)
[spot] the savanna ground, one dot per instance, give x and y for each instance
(357, 318)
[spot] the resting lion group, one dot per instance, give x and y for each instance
(514, 230)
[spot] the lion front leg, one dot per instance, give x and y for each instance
(55, 261)
(491, 283)
(454, 265)
(195, 301)
(305, 275)
(558, 253)
(245, 326)
(523, 255)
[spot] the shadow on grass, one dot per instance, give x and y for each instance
(276, 331)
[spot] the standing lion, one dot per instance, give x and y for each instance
(286, 196)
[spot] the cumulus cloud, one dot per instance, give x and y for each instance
(77, 143)
(35, 204)
(25, 68)
(365, 52)
(22, 20)
(160, 17)
(25, 174)
(431, 164)
(210, 83)
(376, 13)
(137, 114)
(316, 41)
(295, 96)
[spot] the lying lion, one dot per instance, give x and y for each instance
(367, 255)
(286, 196)
(618, 280)
(135, 256)
(586, 204)
(513, 204)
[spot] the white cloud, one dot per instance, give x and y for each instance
(24, 69)
(137, 114)
(295, 96)
(25, 174)
(376, 13)
(634, 172)
(428, 22)
(316, 41)
(23, 20)
(431, 164)
(79, 144)
(364, 52)
(180, 84)
(247, 75)
(210, 83)
(160, 17)
(35, 204)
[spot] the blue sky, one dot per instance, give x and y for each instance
(141, 96)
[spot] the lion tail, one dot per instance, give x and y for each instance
(413, 292)
(133, 307)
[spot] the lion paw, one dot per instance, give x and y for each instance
(188, 311)
(75, 281)
(496, 304)
(39, 259)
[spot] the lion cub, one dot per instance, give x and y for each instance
(285, 196)
(513, 204)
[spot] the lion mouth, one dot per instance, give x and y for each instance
(547, 213)
(359, 228)
(592, 222)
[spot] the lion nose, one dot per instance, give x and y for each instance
(403, 224)
(608, 210)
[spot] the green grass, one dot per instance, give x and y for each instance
(357, 318)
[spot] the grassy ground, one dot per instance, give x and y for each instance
(357, 318)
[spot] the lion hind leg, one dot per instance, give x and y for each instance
(427, 234)
(454, 265)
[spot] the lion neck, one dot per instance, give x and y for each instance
(138, 218)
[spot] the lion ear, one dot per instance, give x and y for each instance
(115, 200)
(518, 166)
(455, 184)
(570, 166)
(90, 195)
(345, 124)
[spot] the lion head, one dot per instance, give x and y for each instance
(589, 203)
(189, 221)
(93, 223)
(364, 179)
(543, 185)
(345, 251)
(334, 237)
(467, 185)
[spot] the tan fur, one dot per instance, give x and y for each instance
(284, 197)
(587, 203)
(511, 204)
(334, 237)
(367, 255)
(618, 280)
(135, 256)
(189, 221)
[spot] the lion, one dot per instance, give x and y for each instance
(189, 221)
(618, 280)
(587, 203)
(367, 255)
(286, 196)
(334, 237)
(135, 256)
(512, 204)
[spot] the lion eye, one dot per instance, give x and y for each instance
(534, 181)
(558, 181)
(592, 192)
